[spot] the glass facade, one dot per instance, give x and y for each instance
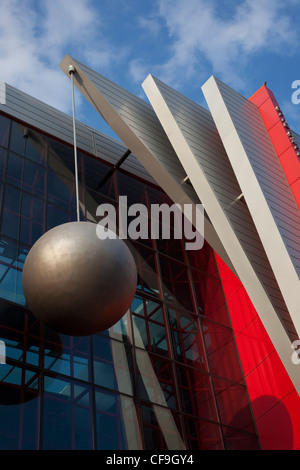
(166, 376)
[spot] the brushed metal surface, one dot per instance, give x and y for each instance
(76, 283)
(264, 185)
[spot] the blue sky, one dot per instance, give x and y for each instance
(182, 42)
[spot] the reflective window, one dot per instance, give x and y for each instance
(175, 283)
(66, 415)
(162, 428)
(3, 157)
(196, 392)
(203, 435)
(4, 130)
(116, 421)
(113, 364)
(187, 342)
(34, 179)
(221, 351)
(156, 379)
(14, 172)
(17, 138)
(210, 297)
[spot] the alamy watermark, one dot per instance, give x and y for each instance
(161, 221)
(296, 93)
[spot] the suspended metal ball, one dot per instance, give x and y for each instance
(76, 283)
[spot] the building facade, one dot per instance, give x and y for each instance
(195, 363)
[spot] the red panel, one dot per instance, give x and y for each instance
(290, 163)
(269, 114)
(268, 378)
(260, 96)
(264, 100)
(254, 345)
(241, 310)
(271, 425)
(279, 138)
(230, 282)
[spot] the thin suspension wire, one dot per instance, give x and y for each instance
(75, 146)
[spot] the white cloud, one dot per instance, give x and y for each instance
(225, 37)
(35, 36)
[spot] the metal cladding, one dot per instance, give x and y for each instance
(77, 283)
(233, 169)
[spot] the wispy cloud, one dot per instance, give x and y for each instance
(224, 38)
(35, 36)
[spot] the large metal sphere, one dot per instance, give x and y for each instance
(75, 282)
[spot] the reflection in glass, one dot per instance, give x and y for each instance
(4, 130)
(175, 282)
(187, 341)
(162, 428)
(116, 421)
(66, 416)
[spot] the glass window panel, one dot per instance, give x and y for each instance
(4, 130)
(32, 219)
(204, 260)
(116, 421)
(3, 154)
(121, 330)
(233, 405)
(14, 169)
(8, 251)
(12, 199)
(61, 160)
(12, 317)
(196, 393)
(8, 282)
(187, 340)
(156, 379)
(141, 334)
(11, 211)
(66, 420)
(172, 247)
(19, 422)
(156, 195)
(221, 351)
(17, 138)
(162, 428)
(210, 297)
(150, 336)
(131, 187)
(34, 179)
(203, 435)
(146, 267)
(175, 282)
(95, 177)
(238, 440)
(19, 296)
(36, 147)
(93, 200)
(113, 367)
(57, 216)
(61, 191)
(54, 349)
(158, 339)
(81, 358)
